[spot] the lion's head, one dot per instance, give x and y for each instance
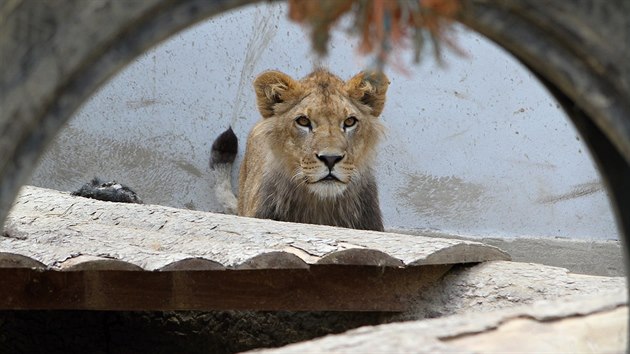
(323, 131)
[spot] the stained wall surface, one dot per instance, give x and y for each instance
(477, 147)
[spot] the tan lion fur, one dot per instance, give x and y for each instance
(282, 177)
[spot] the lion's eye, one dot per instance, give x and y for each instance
(303, 121)
(349, 122)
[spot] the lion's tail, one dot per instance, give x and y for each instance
(222, 158)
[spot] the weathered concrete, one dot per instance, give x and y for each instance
(52, 227)
(596, 324)
(594, 257)
(496, 285)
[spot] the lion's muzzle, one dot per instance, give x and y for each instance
(330, 160)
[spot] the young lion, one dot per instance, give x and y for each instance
(309, 159)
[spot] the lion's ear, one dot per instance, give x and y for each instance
(273, 87)
(369, 87)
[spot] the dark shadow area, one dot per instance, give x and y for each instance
(168, 332)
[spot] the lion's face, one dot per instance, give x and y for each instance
(323, 131)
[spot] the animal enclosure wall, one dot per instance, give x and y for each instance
(476, 148)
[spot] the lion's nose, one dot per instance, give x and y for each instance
(330, 160)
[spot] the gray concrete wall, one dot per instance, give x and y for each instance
(580, 256)
(476, 148)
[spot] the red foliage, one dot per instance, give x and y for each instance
(381, 24)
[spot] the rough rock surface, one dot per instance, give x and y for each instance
(595, 324)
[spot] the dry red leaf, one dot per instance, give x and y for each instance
(380, 24)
